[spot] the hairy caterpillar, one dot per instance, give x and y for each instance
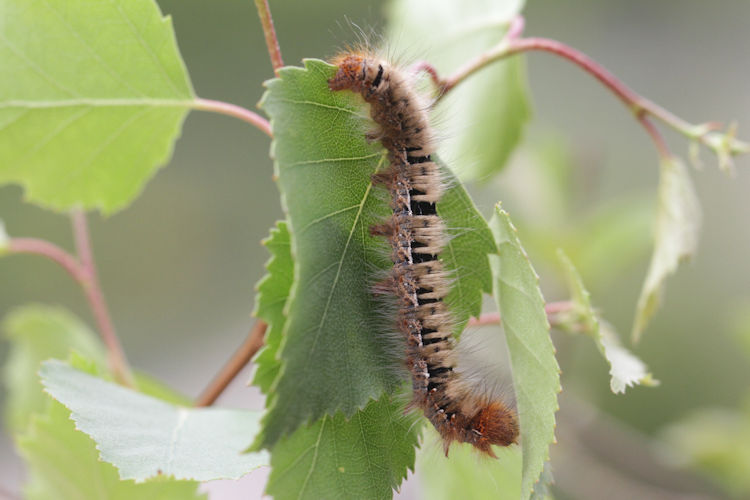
(417, 236)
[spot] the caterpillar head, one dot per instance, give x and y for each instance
(356, 72)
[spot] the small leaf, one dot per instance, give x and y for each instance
(626, 369)
(536, 375)
(366, 456)
(97, 97)
(461, 475)
(145, 437)
(37, 333)
(678, 221)
(487, 112)
(64, 464)
(273, 291)
(335, 330)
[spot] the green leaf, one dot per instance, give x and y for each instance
(64, 464)
(678, 221)
(366, 456)
(536, 375)
(335, 330)
(97, 97)
(626, 369)
(461, 475)
(145, 437)
(37, 333)
(486, 114)
(273, 291)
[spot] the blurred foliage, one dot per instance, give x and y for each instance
(207, 215)
(716, 441)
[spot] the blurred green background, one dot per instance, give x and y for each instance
(179, 266)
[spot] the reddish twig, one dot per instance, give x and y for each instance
(43, 248)
(243, 114)
(552, 309)
(83, 271)
(722, 144)
(236, 363)
(266, 21)
(117, 360)
(515, 28)
(428, 68)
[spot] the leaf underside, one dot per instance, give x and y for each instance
(96, 99)
(626, 369)
(64, 464)
(145, 437)
(678, 220)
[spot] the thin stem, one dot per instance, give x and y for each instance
(656, 137)
(234, 366)
(117, 360)
(428, 68)
(639, 105)
(515, 28)
(243, 114)
(43, 248)
(552, 309)
(274, 51)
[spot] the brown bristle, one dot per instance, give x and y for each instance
(496, 425)
(418, 282)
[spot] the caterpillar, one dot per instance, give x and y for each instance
(417, 279)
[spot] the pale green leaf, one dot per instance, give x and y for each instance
(536, 375)
(335, 329)
(36, 333)
(626, 369)
(93, 99)
(484, 117)
(366, 456)
(678, 221)
(64, 464)
(273, 291)
(145, 437)
(4, 239)
(542, 487)
(463, 475)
